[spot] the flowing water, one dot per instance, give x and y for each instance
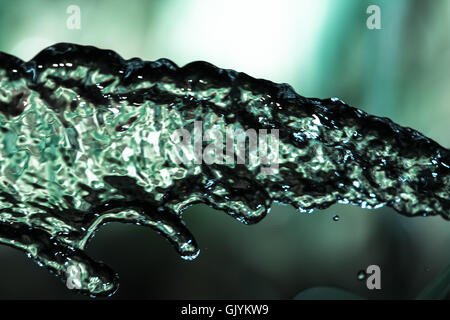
(86, 139)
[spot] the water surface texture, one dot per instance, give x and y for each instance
(86, 139)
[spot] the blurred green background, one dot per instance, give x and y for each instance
(323, 49)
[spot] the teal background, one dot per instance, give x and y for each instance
(323, 49)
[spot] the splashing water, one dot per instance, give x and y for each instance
(361, 275)
(85, 140)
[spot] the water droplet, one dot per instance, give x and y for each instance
(336, 218)
(362, 275)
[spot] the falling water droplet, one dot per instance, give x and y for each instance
(362, 275)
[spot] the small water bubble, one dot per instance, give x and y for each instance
(362, 275)
(336, 218)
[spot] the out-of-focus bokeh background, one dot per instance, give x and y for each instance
(323, 48)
